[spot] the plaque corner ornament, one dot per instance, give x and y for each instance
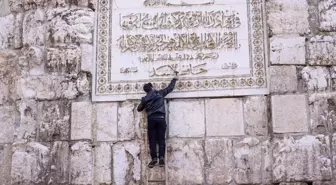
(106, 89)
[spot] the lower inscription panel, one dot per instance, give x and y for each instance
(217, 46)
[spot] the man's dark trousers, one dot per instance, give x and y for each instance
(156, 133)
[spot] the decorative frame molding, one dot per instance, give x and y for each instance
(256, 83)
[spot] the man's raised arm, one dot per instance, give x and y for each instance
(170, 87)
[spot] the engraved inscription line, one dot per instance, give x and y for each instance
(179, 20)
(178, 42)
(152, 57)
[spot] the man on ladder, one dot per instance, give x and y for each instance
(154, 105)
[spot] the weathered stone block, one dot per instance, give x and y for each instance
(4, 8)
(321, 50)
(288, 16)
(81, 120)
(322, 108)
(5, 163)
(127, 116)
(54, 121)
(322, 183)
(59, 3)
(185, 161)
(16, 5)
(70, 26)
(245, 162)
(156, 174)
(26, 129)
(4, 93)
(126, 163)
(18, 32)
(248, 155)
(64, 60)
(103, 163)
(6, 31)
(81, 164)
(289, 113)
(34, 28)
(30, 164)
(191, 114)
(107, 121)
(316, 79)
(34, 4)
(82, 3)
(32, 60)
(255, 115)
(83, 84)
(305, 159)
(219, 160)
(327, 11)
(8, 118)
(59, 164)
(288, 50)
(87, 57)
(46, 88)
(283, 79)
(333, 142)
(293, 183)
(224, 117)
(156, 183)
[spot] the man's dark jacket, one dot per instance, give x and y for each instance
(153, 102)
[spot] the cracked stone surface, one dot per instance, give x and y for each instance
(70, 26)
(288, 16)
(283, 79)
(81, 120)
(30, 163)
(103, 161)
(255, 115)
(47, 88)
(6, 31)
(5, 163)
(327, 9)
(321, 50)
(224, 123)
(34, 28)
(126, 163)
(81, 163)
(185, 161)
(305, 159)
(232, 161)
(316, 79)
(127, 115)
(107, 121)
(64, 60)
(288, 50)
(59, 163)
(54, 123)
(284, 121)
(322, 113)
(193, 126)
(25, 129)
(8, 116)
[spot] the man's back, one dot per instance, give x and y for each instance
(153, 102)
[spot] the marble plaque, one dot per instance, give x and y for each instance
(217, 46)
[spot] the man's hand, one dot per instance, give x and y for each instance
(176, 77)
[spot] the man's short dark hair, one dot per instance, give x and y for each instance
(148, 87)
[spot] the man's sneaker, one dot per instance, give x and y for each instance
(162, 162)
(152, 163)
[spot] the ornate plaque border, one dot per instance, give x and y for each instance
(256, 83)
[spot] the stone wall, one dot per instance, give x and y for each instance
(53, 134)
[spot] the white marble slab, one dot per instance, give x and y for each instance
(217, 46)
